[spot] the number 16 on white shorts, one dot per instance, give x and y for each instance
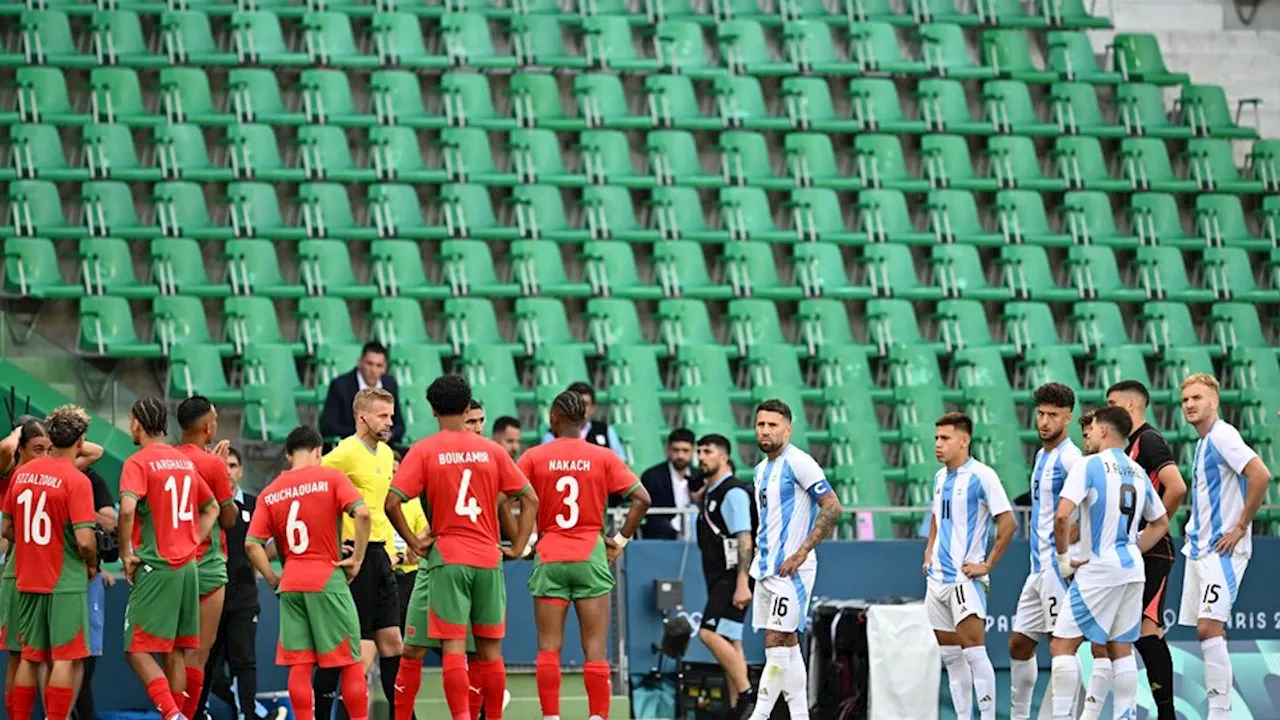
(782, 603)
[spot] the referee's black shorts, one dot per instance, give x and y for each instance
(720, 615)
(1158, 567)
(376, 592)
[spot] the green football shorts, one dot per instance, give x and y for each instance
(571, 581)
(463, 596)
(319, 628)
(416, 625)
(164, 610)
(53, 626)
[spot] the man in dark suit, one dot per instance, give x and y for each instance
(668, 486)
(337, 420)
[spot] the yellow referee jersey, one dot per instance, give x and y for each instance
(370, 471)
(417, 523)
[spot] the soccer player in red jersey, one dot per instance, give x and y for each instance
(49, 517)
(166, 510)
(460, 477)
(199, 422)
(302, 510)
(574, 479)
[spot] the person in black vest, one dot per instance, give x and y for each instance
(669, 485)
(727, 522)
(234, 647)
(595, 431)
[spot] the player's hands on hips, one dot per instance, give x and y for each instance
(1227, 544)
(742, 595)
(612, 550)
(131, 563)
(792, 564)
(350, 566)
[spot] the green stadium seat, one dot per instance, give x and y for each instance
(606, 158)
(1007, 13)
(875, 47)
(106, 268)
(536, 157)
(892, 323)
(31, 270)
(1212, 167)
(614, 323)
(745, 212)
(186, 97)
(1077, 111)
(397, 39)
(197, 370)
(259, 40)
(556, 367)
(809, 105)
(1029, 325)
(953, 217)
(331, 361)
(471, 323)
(1221, 222)
(946, 53)
(1168, 325)
(1146, 164)
(36, 152)
(680, 48)
(673, 102)
(329, 40)
(944, 11)
(752, 271)
(674, 160)
(42, 98)
(1096, 275)
(1264, 164)
(1258, 376)
(680, 268)
(1163, 274)
(468, 102)
(494, 369)
(270, 413)
(608, 45)
(35, 208)
(1231, 273)
(398, 322)
(707, 367)
(1157, 221)
(325, 268)
(704, 405)
(118, 40)
(395, 98)
(116, 97)
(811, 161)
(684, 322)
(745, 160)
(636, 366)
(1237, 325)
(536, 41)
(745, 50)
(740, 103)
(180, 152)
(414, 366)
(467, 210)
(395, 155)
(823, 324)
(327, 100)
(1010, 110)
(1013, 163)
(1125, 362)
(944, 107)
(678, 214)
(181, 211)
(468, 269)
(947, 164)
(274, 366)
(1043, 364)
(1022, 218)
(1081, 162)
(1204, 110)
(809, 46)
(1141, 110)
(1008, 54)
(876, 107)
(468, 158)
(326, 212)
(180, 321)
(820, 271)
(188, 39)
(1098, 325)
(325, 321)
(540, 270)
(610, 214)
(885, 218)
(109, 210)
(1029, 275)
(467, 42)
(1072, 14)
(602, 102)
(253, 268)
(724, 10)
(963, 326)
(47, 40)
(875, 10)
(880, 162)
(536, 100)
(959, 271)
(611, 271)
(1270, 213)
(1070, 54)
(326, 154)
(1138, 58)
(178, 268)
(818, 215)
(1090, 221)
(255, 212)
(540, 212)
(107, 330)
(255, 97)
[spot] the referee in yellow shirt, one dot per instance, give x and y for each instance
(367, 460)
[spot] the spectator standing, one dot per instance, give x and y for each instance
(597, 432)
(235, 647)
(668, 486)
(506, 432)
(337, 419)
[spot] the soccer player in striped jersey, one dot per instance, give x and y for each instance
(49, 517)
(966, 495)
(1042, 593)
(793, 495)
(1112, 494)
(1228, 482)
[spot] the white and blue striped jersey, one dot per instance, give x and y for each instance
(787, 492)
(1218, 489)
(1051, 468)
(964, 501)
(1114, 494)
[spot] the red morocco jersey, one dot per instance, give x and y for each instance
(169, 491)
(573, 479)
(214, 471)
(459, 475)
(302, 509)
(48, 500)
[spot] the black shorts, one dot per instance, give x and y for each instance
(720, 615)
(404, 588)
(1158, 568)
(376, 592)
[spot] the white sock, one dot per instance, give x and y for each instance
(1065, 681)
(1022, 687)
(796, 686)
(1099, 685)
(1217, 676)
(960, 679)
(984, 680)
(1124, 685)
(772, 681)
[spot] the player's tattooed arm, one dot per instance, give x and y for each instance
(829, 511)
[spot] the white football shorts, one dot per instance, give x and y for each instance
(948, 603)
(1102, 613)
(1210, 586)
(1039, 604)
(781, 604)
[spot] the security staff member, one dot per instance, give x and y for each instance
(727, 521)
